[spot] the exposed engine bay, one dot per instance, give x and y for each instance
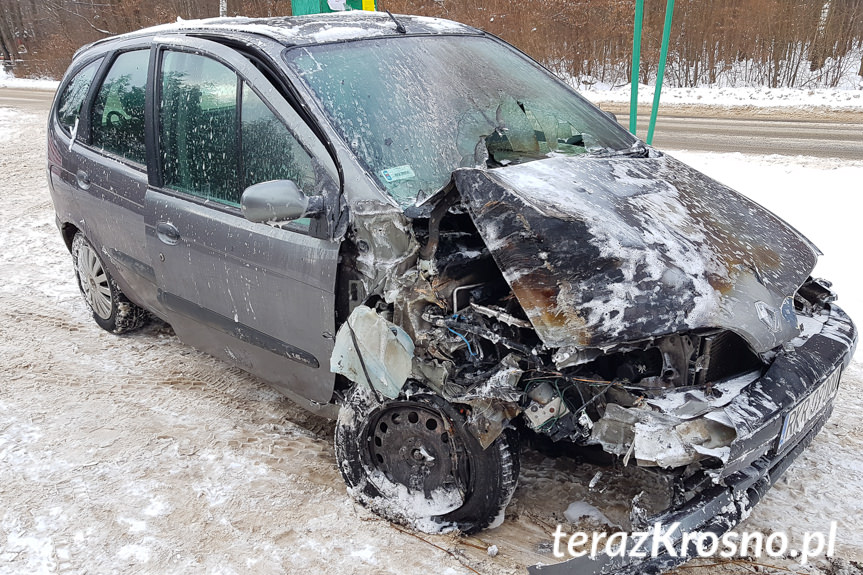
(473, 344)
(587, 328)
(655, 400)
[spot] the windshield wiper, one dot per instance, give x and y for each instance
(636, 150)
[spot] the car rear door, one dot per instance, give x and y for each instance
(112, 171)
(257, 295)
(104, 167)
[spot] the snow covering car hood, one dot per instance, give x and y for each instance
(601, 251)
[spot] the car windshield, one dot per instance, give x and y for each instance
(413, 109)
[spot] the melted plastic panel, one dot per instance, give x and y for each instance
(373, 351)
(604, 250)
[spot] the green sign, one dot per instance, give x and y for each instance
(303, 7)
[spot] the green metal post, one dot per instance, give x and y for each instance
(660, 73)
(636, 61)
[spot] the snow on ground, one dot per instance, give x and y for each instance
(830, 98)
(8, 80)
(10, 127)
(137, 453)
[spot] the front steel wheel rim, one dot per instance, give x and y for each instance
(414, 446)
(94, 282)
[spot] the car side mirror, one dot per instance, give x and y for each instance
(277, 201)
(611, 115)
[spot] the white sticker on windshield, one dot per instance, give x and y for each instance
(398, 173)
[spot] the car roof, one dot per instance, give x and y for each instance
(305, 30)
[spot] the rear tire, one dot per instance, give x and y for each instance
(111, 309)
(414, 462)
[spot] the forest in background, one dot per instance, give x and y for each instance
(772, 43)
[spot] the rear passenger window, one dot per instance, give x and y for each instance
(73, 95)
(118, 110)
(198, 132)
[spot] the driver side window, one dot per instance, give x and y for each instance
(198, 136)
(218, 137)
(270, 151)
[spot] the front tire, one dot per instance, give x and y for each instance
(111, 309)
(414, 462)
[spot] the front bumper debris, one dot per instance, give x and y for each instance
(757, 459)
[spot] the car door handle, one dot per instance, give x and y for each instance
(83, 179)
(167, 233)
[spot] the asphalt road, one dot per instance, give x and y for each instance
(756, 136)
(30, 100)
(727, 133)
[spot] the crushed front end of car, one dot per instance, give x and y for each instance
(517, 265)
(625, 303)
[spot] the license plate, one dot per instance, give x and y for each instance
(798, 417)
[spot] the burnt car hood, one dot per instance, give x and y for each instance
(601, 251)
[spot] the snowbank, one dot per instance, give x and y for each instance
(830, 98)
(8, 80)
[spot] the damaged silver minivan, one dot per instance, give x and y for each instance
(407, 224)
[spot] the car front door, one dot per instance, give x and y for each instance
(257, 295)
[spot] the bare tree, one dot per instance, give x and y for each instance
(739, 42)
